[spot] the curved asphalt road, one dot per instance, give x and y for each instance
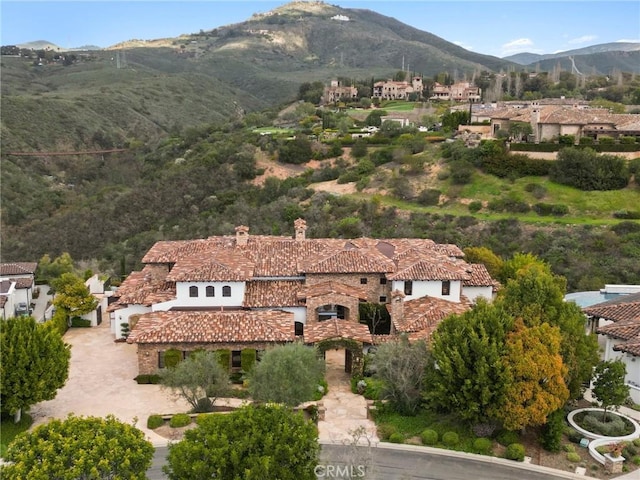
(404, 462)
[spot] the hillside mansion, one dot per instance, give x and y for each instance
(253, 291)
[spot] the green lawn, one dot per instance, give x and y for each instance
(397, 106)
(9, 430)
(274, 130)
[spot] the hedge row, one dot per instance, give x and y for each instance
(555, 147)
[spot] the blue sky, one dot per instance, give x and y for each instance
(497, 28)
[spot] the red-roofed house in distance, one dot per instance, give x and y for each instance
(252, 292)
(16, 291)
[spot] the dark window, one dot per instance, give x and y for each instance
(383, 281)
(160, 359)
(193, 291)
(236, 359)
(363, 281)
(383, 299)
(299, 329)
(446, 287)
(226, 291)
(211, 291)
(408, 287)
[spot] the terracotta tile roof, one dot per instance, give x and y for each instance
(437, 267)
(449, 249)
(632, 346)
(144, 287)
(5, 285)
(623, 329)
(220, 258)
(274, 326)
(336, 328)
(350, 260)
(216, 265)
(331, 288)
(626, 307)
(480, 277)
(18, 268)
(279, 293)
(425, 314)
(23, 282)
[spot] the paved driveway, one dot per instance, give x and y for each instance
(101, 382)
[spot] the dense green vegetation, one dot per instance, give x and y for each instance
(201, 183)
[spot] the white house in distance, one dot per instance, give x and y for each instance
(251, 292)
(17, 281)
(618, 320)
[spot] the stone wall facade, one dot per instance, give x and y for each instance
(148, 353)
(373, 286)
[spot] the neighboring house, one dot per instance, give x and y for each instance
(550, 121)
(458, 92)
(7, 305)
(336, 92)
(22, 276)
(402, 121)
(392, 90)
(619, 321)
(257, 291)
(96, 288)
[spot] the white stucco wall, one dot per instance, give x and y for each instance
(474, 292)
(430, 288)
(235, 300)
(122, 316)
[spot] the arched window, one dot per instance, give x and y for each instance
(226, 291)
(211, 291)
(299, 329)
(193, 291)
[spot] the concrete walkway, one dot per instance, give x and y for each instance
(346, 419)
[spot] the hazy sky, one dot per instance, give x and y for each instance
(497, 28)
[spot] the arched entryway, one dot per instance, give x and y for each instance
(353, 356)
(331, 310)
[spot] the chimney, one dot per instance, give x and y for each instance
(535, 121)
(242, 235)
(300, 227)
(397, 306)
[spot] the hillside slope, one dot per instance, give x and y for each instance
(142, 91)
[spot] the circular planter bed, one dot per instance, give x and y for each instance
(611, 425)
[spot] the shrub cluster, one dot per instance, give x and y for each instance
(507, 437)
(450, 439)
(429, 437)
(508, 204)
(627, 214)
(147, 379)
(546, 209)
(614, 426)
(179, 420)
(396, 438)
(573, 457)
(515, 451)
(80, 322)
(154, 421)
(586, 170)
(483, 446)
(385, 431)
